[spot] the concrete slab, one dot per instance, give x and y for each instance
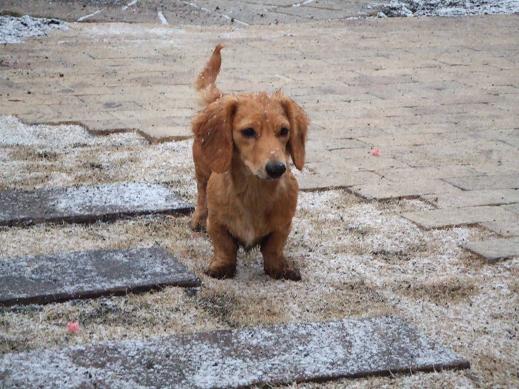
(238, 358)
(495, 249)
(88, 203)
(61, 277)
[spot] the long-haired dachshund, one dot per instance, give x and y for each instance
(246, 193)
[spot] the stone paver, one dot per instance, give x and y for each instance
(495, 249)
(237, 358)
(388, 189)
(474, 198)
(88, 203)
(52, 278)
(505, 181)
(507, 227)
(448, 217)
(514, 208)
(336, 179)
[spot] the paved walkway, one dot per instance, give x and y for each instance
(438, 96)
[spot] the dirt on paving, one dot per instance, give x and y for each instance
(357, 259)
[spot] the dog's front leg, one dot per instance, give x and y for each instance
(274, 262)
(223, 264)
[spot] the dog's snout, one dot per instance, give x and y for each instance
(275, 169)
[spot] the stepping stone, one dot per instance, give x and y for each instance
(88, 203)
(46, 279)
(236, 358)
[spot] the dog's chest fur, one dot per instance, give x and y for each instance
(251, 210)
(251, 219)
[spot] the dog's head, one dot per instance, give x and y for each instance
(262, 130)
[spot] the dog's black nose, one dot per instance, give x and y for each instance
(275, 169)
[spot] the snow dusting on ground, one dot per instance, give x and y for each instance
(357, 259)
(447, 7)
(16, 29)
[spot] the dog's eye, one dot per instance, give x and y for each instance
(283, 132)
(248, 133)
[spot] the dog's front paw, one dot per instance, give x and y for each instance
(292, 274)
(198, 227)
(221, 270)
(287, 272)
(199, 221)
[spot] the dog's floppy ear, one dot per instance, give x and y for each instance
(298, 129)
(213, 130)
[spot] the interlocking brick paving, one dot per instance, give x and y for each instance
(88, 203)
(61, 277)
(237, 358)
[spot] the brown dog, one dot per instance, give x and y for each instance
(246, 193)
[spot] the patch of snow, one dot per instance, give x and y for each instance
(107, 30)
(16, 29)
(130, 196)
(130, 4)
(302, 3)
(406, 8)
(90, 15)
(13, 132)
(162, 18)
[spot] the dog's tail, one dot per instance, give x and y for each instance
(205, 83)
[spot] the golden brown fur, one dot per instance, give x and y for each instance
(241, 150)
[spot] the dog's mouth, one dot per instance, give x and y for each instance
(268, 178)
(264, 177)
